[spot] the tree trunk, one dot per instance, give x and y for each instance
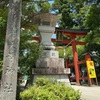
(11, 52)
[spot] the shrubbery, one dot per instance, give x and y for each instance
(46, 89)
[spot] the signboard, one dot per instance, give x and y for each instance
(91, 69)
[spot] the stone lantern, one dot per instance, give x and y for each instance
(47, 28)
(49, 64)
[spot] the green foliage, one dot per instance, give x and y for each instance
(45, 7)
(3, 12)
(31, 9)
(92, 21)
(2, 35)
(28, 9)
(66, 20)
(92, 39)
(81, 50)
(73, 13)
(69, 53)
(3, 23)
(1, 62)
(93, 17)
(29, 51)
(61, 53)
(48, 89)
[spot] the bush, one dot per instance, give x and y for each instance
(46, 89)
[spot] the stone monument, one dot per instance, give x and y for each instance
(49, 64)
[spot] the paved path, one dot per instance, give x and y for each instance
(89, 93)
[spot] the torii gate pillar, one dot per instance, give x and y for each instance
(75, 56)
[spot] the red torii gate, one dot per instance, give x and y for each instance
(72, 33)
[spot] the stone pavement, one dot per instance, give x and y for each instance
(88, 92)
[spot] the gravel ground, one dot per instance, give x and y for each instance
(88, 92)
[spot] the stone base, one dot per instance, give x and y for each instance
(50, 66)
(59, 78)
(49, 71)
(55, 73)
(50, 62)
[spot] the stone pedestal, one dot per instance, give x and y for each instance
(51, 68)
(49, 64)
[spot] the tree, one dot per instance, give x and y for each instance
(73, 13)
(93, 41)
(11, 52)
(82, 14)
